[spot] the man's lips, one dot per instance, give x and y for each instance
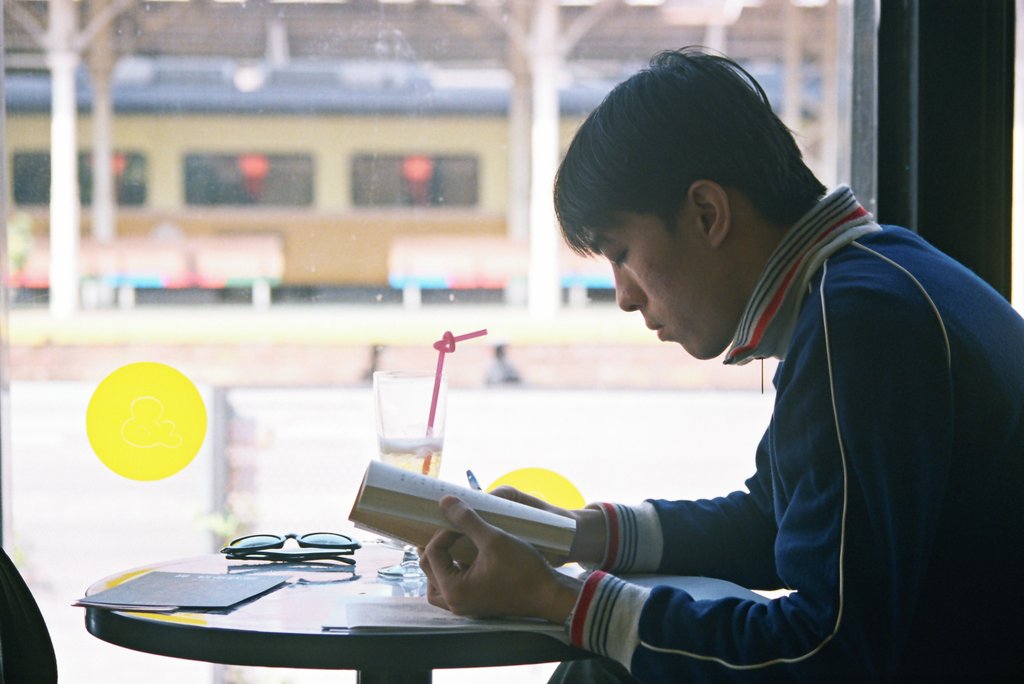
(656, 327)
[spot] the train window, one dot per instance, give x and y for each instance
(414, 180)
(31, 178)
(31, 172)
(248, 179)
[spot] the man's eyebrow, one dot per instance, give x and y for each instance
(600, 243)
(605, 240)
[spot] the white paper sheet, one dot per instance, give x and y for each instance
(412, 613)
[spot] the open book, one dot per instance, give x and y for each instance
(403, 505)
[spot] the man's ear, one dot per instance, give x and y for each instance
(713, 210)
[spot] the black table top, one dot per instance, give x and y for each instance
(284, 628)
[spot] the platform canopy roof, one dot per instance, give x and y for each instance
(449, 33)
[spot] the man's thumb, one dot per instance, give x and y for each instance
(462, 516)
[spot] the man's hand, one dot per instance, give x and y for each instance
(589, 540)
(513, 494)
(507, 577)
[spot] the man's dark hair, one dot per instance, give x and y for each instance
(689, 115)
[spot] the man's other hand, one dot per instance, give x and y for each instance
(508, 577)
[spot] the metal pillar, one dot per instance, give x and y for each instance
(65, 208)
(101, 65)
(544, 290)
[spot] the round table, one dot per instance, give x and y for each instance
(285, 627)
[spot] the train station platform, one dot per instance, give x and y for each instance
(334, 344)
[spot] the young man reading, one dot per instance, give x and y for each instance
(888, 486)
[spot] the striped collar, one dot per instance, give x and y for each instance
(771, 313)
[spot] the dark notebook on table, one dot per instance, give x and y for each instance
(168, 591)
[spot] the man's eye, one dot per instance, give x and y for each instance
(620, 257)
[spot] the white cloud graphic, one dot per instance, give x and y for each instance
(146, 428)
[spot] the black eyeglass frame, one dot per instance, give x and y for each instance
(267, 551)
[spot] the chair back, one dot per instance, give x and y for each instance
(26, 651)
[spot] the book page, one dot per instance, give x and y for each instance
(388, 495)
(382, 476)
(405, 613)
(410, 532)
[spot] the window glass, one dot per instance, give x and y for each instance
(251, 178)
(289, 168)
(31, 178)
(414, 180)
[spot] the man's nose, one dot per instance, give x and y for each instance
(628, 295)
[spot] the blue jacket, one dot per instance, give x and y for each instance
(888, 495)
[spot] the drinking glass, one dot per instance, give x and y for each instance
(406, 439)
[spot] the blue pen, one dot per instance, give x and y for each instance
(472, 480)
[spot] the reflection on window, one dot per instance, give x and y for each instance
(31, 171)
(248, 179)
(414, 180)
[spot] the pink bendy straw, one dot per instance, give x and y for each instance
(445, 345)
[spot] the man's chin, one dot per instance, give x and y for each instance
(699, 352)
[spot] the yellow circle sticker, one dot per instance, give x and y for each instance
(146, 421)
(543, 484)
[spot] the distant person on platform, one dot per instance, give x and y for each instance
(501, 371)
(375, 351)
(888, 490)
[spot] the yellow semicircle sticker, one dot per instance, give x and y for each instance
(544, 484)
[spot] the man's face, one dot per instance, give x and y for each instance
(678, 279)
